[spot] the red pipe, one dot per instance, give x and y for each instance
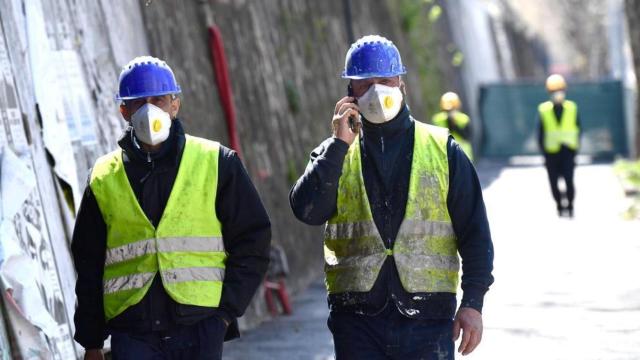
(221, 71)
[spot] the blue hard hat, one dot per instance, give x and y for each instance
(372, 56)
(146, 76)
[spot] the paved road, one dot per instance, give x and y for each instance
(565, 289)
(303, 335)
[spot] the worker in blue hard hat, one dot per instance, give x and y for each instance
(171, 240)
(401, 201)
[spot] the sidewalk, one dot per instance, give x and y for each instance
(565, 289)
(301, 336)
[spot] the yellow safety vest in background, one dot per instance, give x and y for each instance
(425, 249)
(186, 248)
(566, 132)
(462, 121)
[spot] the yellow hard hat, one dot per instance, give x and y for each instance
(449, 101)
(556, 82)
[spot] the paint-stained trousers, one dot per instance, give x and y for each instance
(390, 335)
(200, 341)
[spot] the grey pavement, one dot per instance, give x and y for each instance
(565, 288)
(301, 336)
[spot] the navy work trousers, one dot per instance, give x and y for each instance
(200, 341)
(561, 165)
(390, 335)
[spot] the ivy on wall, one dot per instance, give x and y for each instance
(419, 20)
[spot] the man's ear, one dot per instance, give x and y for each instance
(125, 112)
(175, 107)
(403, 88)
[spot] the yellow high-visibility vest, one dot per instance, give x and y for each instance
(425, 249)
(566, 132)
(462, 121)
(186, 249)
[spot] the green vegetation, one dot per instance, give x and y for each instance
(419, 20)
(434, 13)
(292, 172)
(457, 58)
(293, 96)
(629, 174)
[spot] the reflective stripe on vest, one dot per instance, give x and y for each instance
(186, 248)
(462, 120)
(139, 248)
(556, 133)
(136, 281)
(425, 250)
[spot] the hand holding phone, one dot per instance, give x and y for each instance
(345, 122)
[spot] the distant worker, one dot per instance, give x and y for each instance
(171, 241)
(558, 138)
(456, 121)
(400, 201)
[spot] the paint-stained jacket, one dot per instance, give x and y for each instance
(386, 162)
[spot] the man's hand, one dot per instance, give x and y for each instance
(93, 354)
(345, 108)
(470, 322)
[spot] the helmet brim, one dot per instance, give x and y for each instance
(372, 75)
(145, 95)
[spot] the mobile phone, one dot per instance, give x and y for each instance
(352, 119)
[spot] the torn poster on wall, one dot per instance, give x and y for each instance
(75, 97)
(55, 132)
(12, 131)
(28, 275)
(37, 313)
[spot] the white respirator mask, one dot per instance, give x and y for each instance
(557, 97)
(380, 103)
(151, 124)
